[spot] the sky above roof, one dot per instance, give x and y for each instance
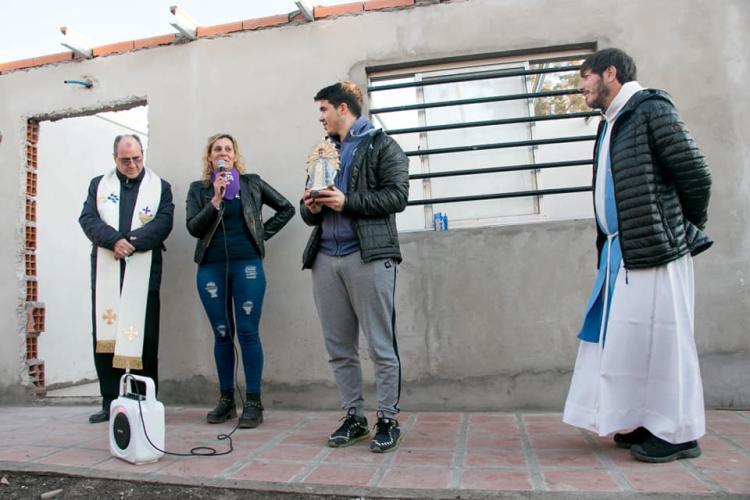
(30, 28)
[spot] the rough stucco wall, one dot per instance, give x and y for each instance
(487, 317)
(12, 312)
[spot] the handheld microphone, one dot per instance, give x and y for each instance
(221, 166)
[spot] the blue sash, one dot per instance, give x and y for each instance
(594, 320)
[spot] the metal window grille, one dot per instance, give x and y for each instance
(490, 141)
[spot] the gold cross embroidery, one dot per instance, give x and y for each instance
(109, 316)
(130, 333)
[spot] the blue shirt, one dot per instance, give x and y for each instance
(338, 237)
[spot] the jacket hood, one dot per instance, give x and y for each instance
(646, 95)
(359, 129)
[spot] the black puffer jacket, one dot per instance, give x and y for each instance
(378, 189)
(662, 183)
(202, 217)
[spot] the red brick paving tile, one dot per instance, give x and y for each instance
(424, 457)
(742, 440)
(308, 438)
(674, 481)
(494, 429)
(185, 445)
(282, 417)
(414, 440)
(355, 455)
(402, 417)
(625, 461)
(542, 418)
(339, 474)
(495, 458)
(59, 439)
(416, 477)
(567, 458)
(602, 441)
(589, 480)
(438, 417)
(292, 453)
(729, 426)
(435, 428)
(277, 427)
(491, 442)
(250, 436)
(323, 426)
(733, 482)
(714, 443)
(97, 443)
(262, 471)
(186, 420)
(722, 459)
(483, 418)
(495, 480)
(200, 466)
(552, 441)
(25, 453)
(726, 416)
(548, 428)
(75, 457)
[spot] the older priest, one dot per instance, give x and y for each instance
(127, 216)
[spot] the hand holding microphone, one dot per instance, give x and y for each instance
(220, 183)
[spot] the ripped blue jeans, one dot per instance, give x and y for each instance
(235, 306)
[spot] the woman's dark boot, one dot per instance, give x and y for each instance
(252, 413)
(225, 410)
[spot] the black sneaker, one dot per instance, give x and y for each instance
(387, 435)
(352, 430)
(658, 451)
(637, 436)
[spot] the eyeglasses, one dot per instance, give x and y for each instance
(126, 161)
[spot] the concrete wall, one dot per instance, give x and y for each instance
(487, 316)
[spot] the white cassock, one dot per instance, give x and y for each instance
(644, 370)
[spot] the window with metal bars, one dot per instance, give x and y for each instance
(496, 140)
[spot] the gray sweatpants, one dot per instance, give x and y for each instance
(351, 295)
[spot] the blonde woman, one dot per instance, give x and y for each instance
(224, 213)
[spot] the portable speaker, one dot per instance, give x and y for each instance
(127, 439)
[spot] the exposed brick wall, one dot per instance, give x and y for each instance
(36, 373)
(32, 290)
(30, 237)
(30, 209)
(30, 264)
(35, 311)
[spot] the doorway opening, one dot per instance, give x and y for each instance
(63, 155)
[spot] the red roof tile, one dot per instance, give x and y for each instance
(321, 11)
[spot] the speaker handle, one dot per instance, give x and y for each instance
(150, 387)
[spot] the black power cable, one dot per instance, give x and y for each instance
(204, 451)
